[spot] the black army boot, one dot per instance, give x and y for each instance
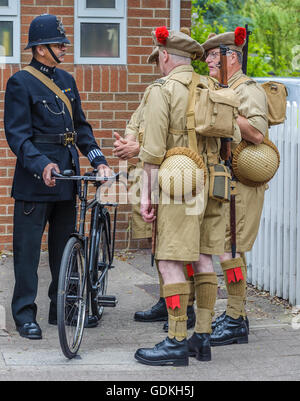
(168, 352)
(221, 318)
(190, 322)
(199, 346)
(230, 331)
(157, 313)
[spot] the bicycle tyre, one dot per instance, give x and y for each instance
(101, 262)
(71, 298)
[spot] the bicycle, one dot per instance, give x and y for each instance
(84, 266)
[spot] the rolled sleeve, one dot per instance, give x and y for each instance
(148, 157)
(154, 145)
(254, 106)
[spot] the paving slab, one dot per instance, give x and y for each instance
(107, 352)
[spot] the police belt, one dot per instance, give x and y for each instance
(68, 138)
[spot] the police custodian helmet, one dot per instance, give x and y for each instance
(46, 29)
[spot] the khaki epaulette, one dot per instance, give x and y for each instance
(159, 81)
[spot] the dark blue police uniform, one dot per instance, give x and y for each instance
(33, 112)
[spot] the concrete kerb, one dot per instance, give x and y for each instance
(3, 331)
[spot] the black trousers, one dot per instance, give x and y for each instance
(30, 219)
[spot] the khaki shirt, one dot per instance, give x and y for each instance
(165, 117)
(136, 124)
(253, 100)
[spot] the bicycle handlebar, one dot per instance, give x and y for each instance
(91, 176)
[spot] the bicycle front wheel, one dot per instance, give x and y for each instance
(71, 297)
(99, 275)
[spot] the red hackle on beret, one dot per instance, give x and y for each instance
(162, 34)
(240, 35)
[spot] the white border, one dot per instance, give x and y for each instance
(118, 11)
(122, 60)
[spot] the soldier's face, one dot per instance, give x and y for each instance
(213, 62)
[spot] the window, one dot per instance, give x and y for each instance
(9, 31)
(100, 32)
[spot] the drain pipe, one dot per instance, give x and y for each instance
(175, 15)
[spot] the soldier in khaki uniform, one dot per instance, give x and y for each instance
(127, 148)
(180, 234)
(232, 326)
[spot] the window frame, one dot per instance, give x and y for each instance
(97, 17)
(118, 11)
(11, 9)
(15, 18)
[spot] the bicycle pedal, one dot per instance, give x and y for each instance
(112, 267)
(107, 300)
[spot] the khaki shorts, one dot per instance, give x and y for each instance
(249, 206)
(140, 229)
(182, 234)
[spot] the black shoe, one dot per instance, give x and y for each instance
(218, 320)
(90, 322)
(168, 352)
(32, 331)
(190, 322)
(230, 331)
(157, 313)
(199, 346)
(221, 318)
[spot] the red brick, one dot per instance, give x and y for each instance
(105, 79)
(109, 94)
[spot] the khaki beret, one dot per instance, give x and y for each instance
(233, 40)
(153, 56)
(177, 43)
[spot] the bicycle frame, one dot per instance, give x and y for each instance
(98, 216)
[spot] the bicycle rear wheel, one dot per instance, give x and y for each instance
(71, 298)
(99, 275)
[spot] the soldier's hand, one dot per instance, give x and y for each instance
(147, 212)
(119, 140)
(47, 176)
(125, 149)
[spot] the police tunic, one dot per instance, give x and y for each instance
(34, 118)
(32, 109)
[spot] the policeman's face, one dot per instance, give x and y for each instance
(59, 50)
(44, 55)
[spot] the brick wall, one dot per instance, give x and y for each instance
(109, 94)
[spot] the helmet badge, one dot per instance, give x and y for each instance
(60, 27)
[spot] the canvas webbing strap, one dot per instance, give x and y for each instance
(51, 85)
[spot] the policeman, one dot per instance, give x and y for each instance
(180, 236)
(127, 148)
(43, 135)
(231, 326)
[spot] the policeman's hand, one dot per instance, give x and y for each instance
(47, 177)
(104, 171)
(147, 211)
